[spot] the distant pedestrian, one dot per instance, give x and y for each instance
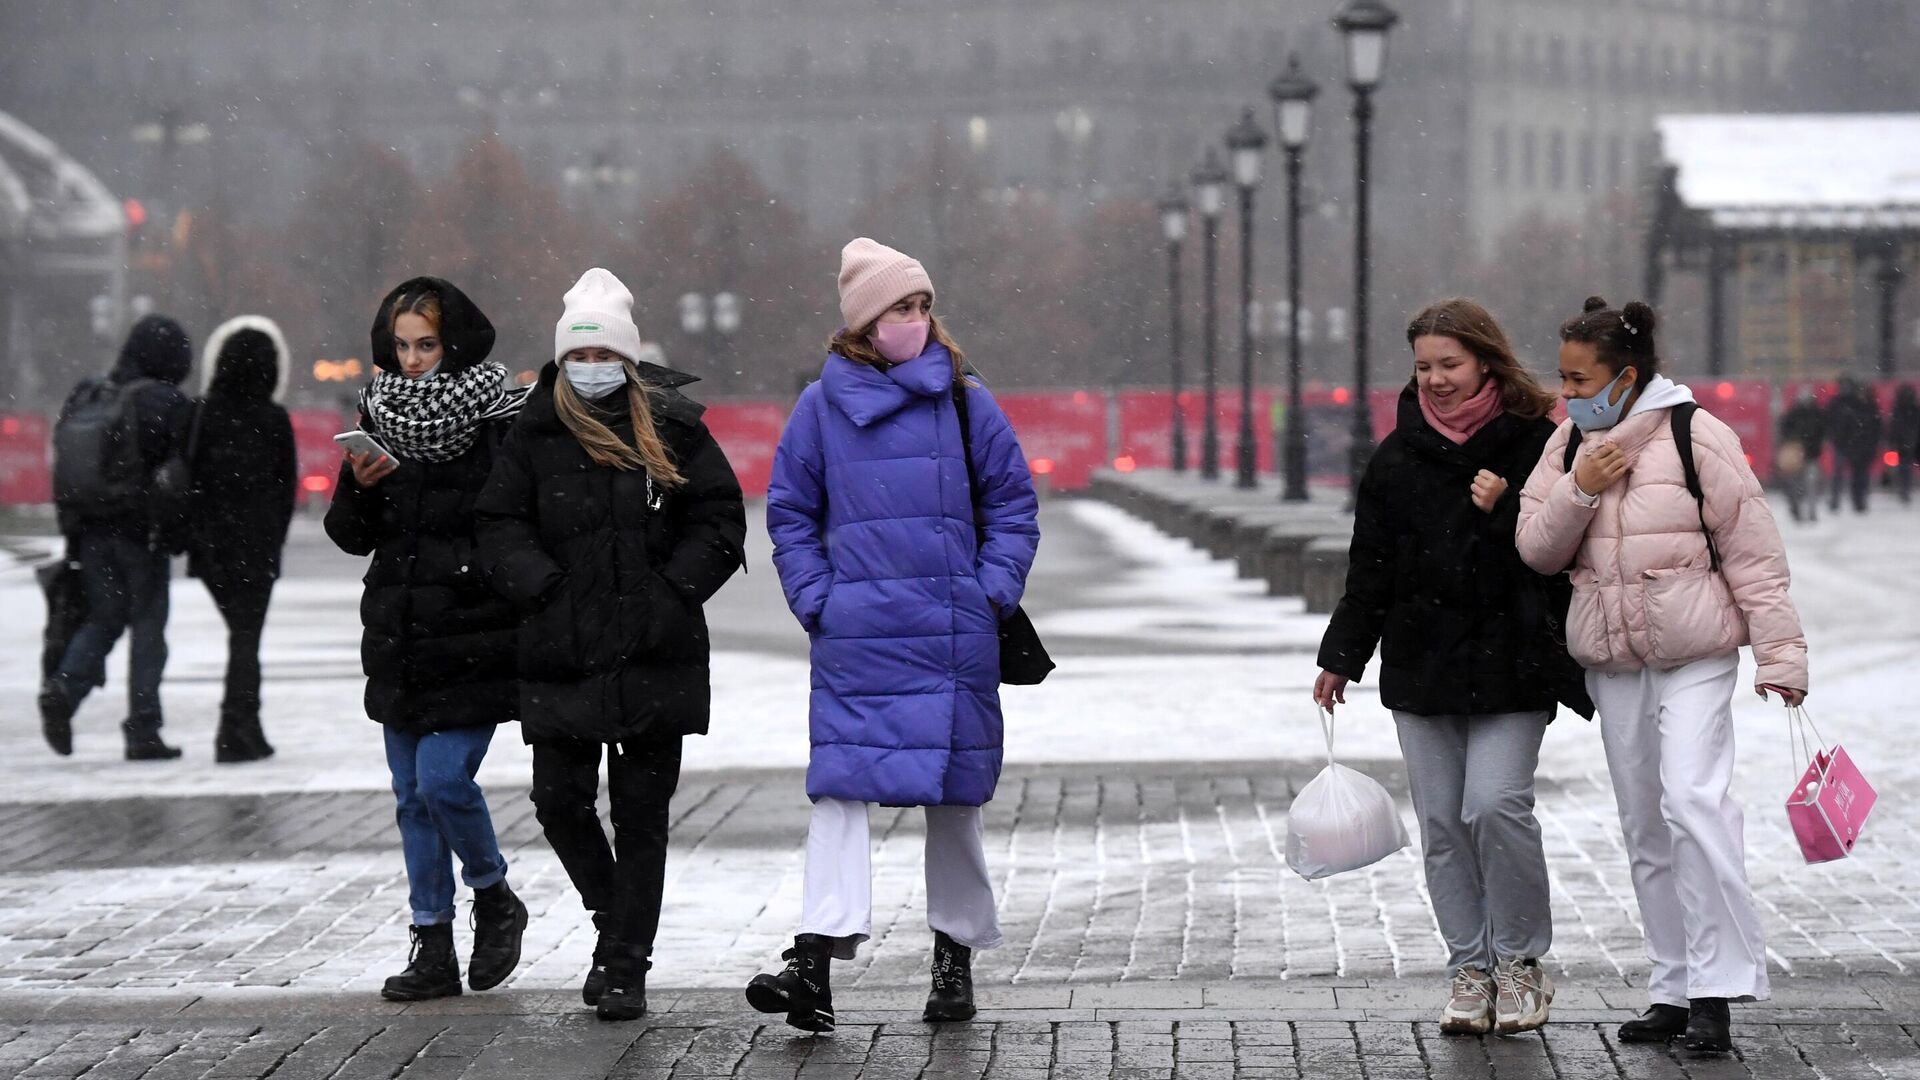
(243, 471)
(611, 518)
(1855, 430)
(439, 648)
(873, 511)
(114, 434)
(1660, 610)
(1469, 663)
(1803, 439)
(1903, 438)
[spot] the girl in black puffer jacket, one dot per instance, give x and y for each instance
(439, 646)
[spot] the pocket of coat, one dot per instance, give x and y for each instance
(1687, 615)
(1586, 629)
(547, 644)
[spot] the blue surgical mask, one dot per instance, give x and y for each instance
(595, 379)
(1601, 411)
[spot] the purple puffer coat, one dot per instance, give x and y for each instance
(873, 535)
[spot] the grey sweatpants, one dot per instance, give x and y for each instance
(1472, 781)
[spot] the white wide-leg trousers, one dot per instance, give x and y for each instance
(1669, 742)
(837, 894)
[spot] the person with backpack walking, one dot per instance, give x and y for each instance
(612, 517)
(1469, 664)
(1676, 563)
(1903, 438)
(243, 467)
(873, 511)
(439, 648)
(112, 438)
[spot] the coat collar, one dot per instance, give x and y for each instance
(662, 383)
(867, 394)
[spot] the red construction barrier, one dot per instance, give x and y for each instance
(26, 462)
(749, 432)
(1746, 406)
(1063, 434)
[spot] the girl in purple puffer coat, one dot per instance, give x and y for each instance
(873, 521)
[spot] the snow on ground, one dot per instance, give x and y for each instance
(1239, 692)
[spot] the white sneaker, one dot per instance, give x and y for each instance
(1522, 996)
(1470, 1009)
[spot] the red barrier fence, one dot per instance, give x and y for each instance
(1066, 434)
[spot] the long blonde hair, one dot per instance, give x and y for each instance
(603, 447)
(857, 345)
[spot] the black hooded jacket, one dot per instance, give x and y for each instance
(158, 356)
(1462, 624)
(611, 572)
(244, 465)
(439, 643)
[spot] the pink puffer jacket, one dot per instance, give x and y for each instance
(1644, 592)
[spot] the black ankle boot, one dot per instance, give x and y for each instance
(146, 745)
(803, 991)
(433, 971)
(239, 740)
(606, 946)
(952, 996)
(625, 997)
(56, 718)
(1709, 1026)
(1657, 1024)
(499, 921)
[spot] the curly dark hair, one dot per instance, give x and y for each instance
(1623, 337)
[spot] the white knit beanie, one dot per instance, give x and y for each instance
(599, 315)
(873, 278)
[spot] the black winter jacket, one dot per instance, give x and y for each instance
(1854, 425)
(158, 356)
(1462, 624)
(611, 571)
(244, 463)
(439, 644)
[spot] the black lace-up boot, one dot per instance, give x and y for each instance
(499, 921)
(803, 991)
(952, 996)
(433, 971)
(1658, 1024)
(1709, 1026)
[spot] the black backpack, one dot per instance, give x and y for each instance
(1681, 418)
(98, 470)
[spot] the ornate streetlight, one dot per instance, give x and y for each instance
(1173, 224)
(1293, 95)
(1210, 191)
(1245, 143)
(1365, 24)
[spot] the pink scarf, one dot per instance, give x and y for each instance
(1472, 415)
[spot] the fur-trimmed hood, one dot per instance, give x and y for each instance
(246, 366)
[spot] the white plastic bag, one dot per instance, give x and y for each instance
(1342, 820)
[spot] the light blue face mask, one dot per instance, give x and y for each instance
(1599, 412)
(595, 379)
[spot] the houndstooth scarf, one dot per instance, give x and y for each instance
(438, 419)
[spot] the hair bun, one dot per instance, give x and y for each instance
(1640, 315)
(1594, 303)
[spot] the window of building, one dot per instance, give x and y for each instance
(1589, 73)
(1502, 54)
(1616, 160)
(1528, 176)
(1556, 161)
(1500, 156)
(1556, 59)
(1588, 180)
(1616, 74)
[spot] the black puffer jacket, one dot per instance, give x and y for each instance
(439, 643)
(1462, 624)
(244, 464)
(156, 355)
(612, 571)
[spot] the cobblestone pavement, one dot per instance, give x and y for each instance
(1110, 874)
(542, 1035)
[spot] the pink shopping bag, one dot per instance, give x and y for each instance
(1830, 804)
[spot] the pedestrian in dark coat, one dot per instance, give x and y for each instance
(1803, 438)
(899, 567)
(439, 648)
(611, 518)
(244, 470)
(1903, 437)
(1855, 429)
(1469, 662)
(123, 563)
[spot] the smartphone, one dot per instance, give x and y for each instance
(359, 442)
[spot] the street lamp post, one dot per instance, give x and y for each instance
(1245, 142)
(1173, 223)
(1210, 188)
(1293, 94)
(1364, 24)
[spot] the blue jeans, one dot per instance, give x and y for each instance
(442, 811)
(126, 586)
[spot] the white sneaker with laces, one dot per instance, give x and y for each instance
(1470, 1008)
(1523, 992)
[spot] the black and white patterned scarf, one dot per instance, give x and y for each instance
(438, 419)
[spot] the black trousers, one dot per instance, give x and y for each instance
(242, 600)
(627, 879)
(1857, 484)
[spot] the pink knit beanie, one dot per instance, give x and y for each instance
(874, 277)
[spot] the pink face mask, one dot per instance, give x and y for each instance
(901, 341)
